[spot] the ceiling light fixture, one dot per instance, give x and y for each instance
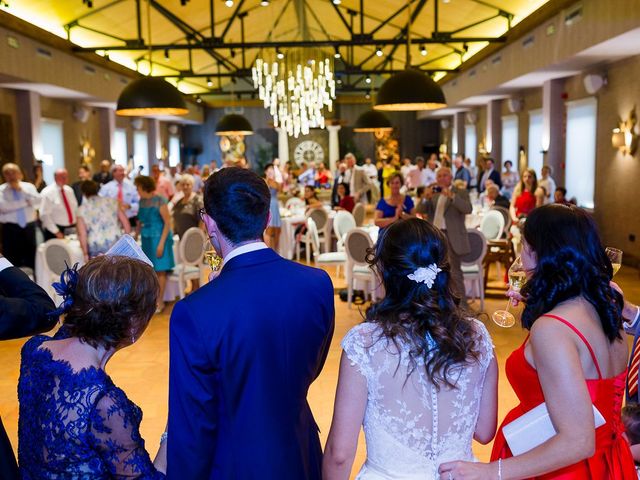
(198, 99)
(336, 2)
(337, 53)
(233, 124)
(279, 54)
(367, 95)
(150, 96)
(367, 79)
(296, 89)
(209, 82)
(229, 3)
(423, 50)
(166, 54)
(379, 51)
(372, 121)
(411, 89)
(264, 3)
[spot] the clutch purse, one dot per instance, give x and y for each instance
(534, 428)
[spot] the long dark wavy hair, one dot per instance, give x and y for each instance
(410, 311)
(571, 262)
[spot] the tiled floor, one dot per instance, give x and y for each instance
(142, 369)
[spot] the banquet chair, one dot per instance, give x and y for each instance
(57, 256)
(335, 259)
(321, 219)
(191, 253)
(357, 245)
(472, 263)
(343, 222)
(492, 225)
(359, 213)
(294, 203)
(507, 219)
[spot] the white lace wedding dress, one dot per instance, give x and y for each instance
(410, 427)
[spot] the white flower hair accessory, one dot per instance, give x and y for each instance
(425, 275)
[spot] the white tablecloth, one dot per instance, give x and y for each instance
(45, 278)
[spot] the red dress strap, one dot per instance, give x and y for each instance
(582, 337)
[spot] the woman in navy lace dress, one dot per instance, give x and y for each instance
(74, 422)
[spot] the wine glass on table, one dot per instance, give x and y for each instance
(517, 277)
(615, 256)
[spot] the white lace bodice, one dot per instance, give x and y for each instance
(411, 427)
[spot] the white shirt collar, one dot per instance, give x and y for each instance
(249, 247)
(4, 263)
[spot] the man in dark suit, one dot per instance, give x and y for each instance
(244, 350)
(446, 207)
(23, 312)
(489, 172)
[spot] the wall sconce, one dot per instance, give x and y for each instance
(624, 137)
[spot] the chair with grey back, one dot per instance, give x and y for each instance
(471, 263)
(357, 245)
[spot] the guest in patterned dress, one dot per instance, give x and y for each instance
(75, 423)
(100, 222)
(154, 227)
(272, 233)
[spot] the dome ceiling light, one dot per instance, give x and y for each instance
(149, 96)
(233, 124)
(372, 121)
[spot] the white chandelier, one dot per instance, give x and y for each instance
(296, 89)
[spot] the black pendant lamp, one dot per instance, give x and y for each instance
(150, 96)
(372, 121)
(410, 90)
(234, 124)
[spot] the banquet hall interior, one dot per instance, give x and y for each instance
(531, 84)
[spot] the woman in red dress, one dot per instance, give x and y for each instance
(575, 357)
(526, 196)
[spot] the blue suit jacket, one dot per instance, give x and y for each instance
(244, 350)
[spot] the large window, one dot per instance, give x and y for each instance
(535, 155)
(140, 152)
(580, 155)
(510, 139)
(174, 150)
(120, 153)
(470, 143)
(52, 148)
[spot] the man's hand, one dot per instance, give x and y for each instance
(60, 235)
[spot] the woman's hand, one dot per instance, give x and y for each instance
(160, 251)
(515, 297)
(468, 471)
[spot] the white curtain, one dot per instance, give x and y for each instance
(52, 148)
(470, 143)
(580, 155)
(120, 153)
(535, 156)
(141, 152)
(510, 139)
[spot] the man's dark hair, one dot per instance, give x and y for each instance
(420, 191)
(238, 200)
(89, 188)
(562, 190)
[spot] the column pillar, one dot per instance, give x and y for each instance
(334, 147)
(29, 138)
(493, 142)
(107, 132)
(552, 127)
(153, 138)
(458, 134)
(283, 146)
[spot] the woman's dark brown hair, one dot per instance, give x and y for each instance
(426, 318)
(89, 188)
(147, 184)
(113, 301)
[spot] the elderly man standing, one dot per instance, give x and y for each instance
(446, 207)
(103, 176)
(18, 203)
(359, 182)
(123, 190)
(59, 206)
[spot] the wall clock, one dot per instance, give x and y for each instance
(308, 151)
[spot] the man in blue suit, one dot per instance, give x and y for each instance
(244, 350)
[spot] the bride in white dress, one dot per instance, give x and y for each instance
(418, 375)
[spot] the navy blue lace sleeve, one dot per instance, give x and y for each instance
(76, 424)
(116, 437)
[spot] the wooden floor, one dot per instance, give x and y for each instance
(142, 369)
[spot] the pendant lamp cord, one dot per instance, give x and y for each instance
(408, 65)
(149, 33)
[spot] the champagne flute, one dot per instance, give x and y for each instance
(211, 257)
(517, 277)
(615, 256)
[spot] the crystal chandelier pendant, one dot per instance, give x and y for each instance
(296, 89)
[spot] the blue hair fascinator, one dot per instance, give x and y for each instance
(66, 288)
